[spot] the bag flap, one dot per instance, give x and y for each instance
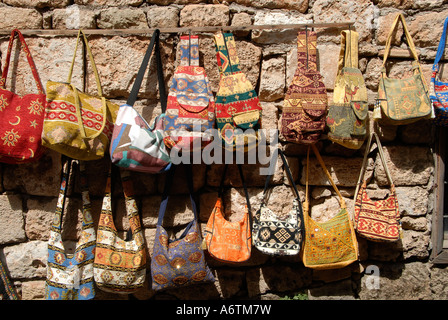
(316, 109)
(360, 108)
(247, 120)
(192, 102)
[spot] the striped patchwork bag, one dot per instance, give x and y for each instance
(190, 112)
(135, 144)
(438, 90)
(376, 220)
(77, 124)
(305, 105)
(238, 109)
(120, 265)
(178, 262)
(70, 276)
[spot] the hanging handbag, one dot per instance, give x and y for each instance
(226, 240)
(21, 117)
(190, 113)
(120, 265)
(77, 124)
(438, 90)
(347, 114)
(306, 102)
(331, 244)
(135, 144)
(70, 276)
(7, 290)
(178, 262)
(238, 109)
(376, 220)
(402, 101)
(276, 234)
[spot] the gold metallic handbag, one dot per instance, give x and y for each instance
(331, 244)
(402, 101)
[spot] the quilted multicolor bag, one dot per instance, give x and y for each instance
(306, 102)
(120, 264)
(438, 90)
(331, 244)
(77, 124)
(229, 241)
(190, 113)
(238, 109)
(178, 262)
(70, 276)
(276, 234)
(347, 114)
(376, 220)
(21, 117)
(135, 144)
(402, 101)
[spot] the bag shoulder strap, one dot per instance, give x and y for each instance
(364, 162)
(348, 55)
(28, 56)
(153, 45)
(441, 47)
(394, 26)
(92, 61)
(226, 55)
(322, 164)
(189, 50)
(307, 50)
(168, 183)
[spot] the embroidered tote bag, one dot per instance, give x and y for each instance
(438, 90)
(135, 144)
(376, 220)
(190, 112)
(77, 124)
(238, 109)
(70, 276)
(7, 290)
(331, 244)
(274, 233)
(21, 117)
(347, 114)
(402, 101)
(306, 102)
(178, 262)
(229, 241)
(120, 265)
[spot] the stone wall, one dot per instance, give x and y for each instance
(29, 192)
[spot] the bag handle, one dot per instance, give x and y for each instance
(288, 172)
(28, 56)
(348, 55)
(168, 183)
(441, 47)
(322, 164)
(222, 42)
(153, 45)
(408, 37)
(189, 50)
(364, 162)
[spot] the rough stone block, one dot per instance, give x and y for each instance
(39, 217)
(33, 290)
(20, 18)
(272, 80)
(199, 15)
(299, 5)
(163, 17)
(38, 3)
(11, 219)
(113, 3)
(122, 18)
(27, 260)
(73, 18)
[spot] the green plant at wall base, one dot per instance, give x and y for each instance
(298, 296)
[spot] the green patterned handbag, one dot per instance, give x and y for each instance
(402, 101)
(347, 115)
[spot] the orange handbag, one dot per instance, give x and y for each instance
(225, 240)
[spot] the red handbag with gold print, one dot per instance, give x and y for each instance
(21, 117)
(376, 220)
